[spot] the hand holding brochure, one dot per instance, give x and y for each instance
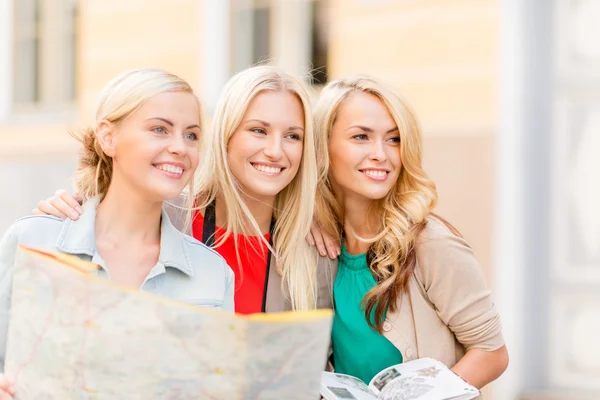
(423, 379)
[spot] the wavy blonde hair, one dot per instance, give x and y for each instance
(402, 212)
(294, 205)
(120, 98)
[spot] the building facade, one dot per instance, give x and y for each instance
(507, 92)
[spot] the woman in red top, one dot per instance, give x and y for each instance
(256, 189)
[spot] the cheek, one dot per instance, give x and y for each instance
(396, 159)
(236, 160)
(242, 146)
(294, 154)
(194, 157)
(137, 152)
(343, 157)
(340, 168)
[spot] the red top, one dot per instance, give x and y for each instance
(251, 270)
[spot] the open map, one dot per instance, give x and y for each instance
(75, 336)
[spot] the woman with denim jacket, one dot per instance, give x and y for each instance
(256, 186)
(142, 152)
(408, 285)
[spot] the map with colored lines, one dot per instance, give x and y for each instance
(75, 336)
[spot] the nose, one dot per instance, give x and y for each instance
(273, 148)
(378, 151)
(177, 145)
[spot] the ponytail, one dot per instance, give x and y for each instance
(94, 171)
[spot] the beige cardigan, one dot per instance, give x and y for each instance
(277, 296)
(448, 308)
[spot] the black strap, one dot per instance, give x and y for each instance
(208, 238)
(264, 300)
(208, 228)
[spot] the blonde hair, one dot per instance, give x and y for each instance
(294, 205)
(402, 212)
(120, 98)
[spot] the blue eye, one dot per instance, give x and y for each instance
(361, 136)
(159, 129)
(293, 136)
(191, 136)
(260, 131)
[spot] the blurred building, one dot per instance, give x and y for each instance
(508, 93)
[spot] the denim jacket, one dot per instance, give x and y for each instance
(187, 270)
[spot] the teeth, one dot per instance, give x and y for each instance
(267, 170)
(170, 168)
(375, 174)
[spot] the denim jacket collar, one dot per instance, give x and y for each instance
(78, 237)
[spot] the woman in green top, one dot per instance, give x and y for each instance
(375, 195)
(359, 350)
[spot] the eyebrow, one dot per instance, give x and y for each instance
(370, 130)
(265, 123)
(166, 121)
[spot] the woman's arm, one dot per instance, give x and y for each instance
(470, 368)
(454, 283)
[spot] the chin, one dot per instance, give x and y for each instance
(375, 194)
(167, 194)
(262, 192)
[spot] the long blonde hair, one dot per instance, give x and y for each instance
(121, 97)
(402, 212)
(294, 205)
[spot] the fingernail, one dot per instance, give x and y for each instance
(79, 209)
(74, 215)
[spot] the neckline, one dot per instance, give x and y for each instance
(221, 231)
(353, 261)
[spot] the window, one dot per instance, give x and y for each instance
(319, 40)
(251, 33)
(44, 54)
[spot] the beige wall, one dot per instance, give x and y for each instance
(116, 37)
(36, 151)
(113, 37)
(442, 57)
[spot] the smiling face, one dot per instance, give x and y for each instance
(364, 149)
(265, 151)
(155, 149)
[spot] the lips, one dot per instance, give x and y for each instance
(375, 174)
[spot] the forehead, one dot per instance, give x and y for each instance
(363, 108)
(179, 107)
(276, 107)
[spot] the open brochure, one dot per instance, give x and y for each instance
(422, 379)
(72, 335)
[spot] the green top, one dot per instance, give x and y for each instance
(358, 350)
